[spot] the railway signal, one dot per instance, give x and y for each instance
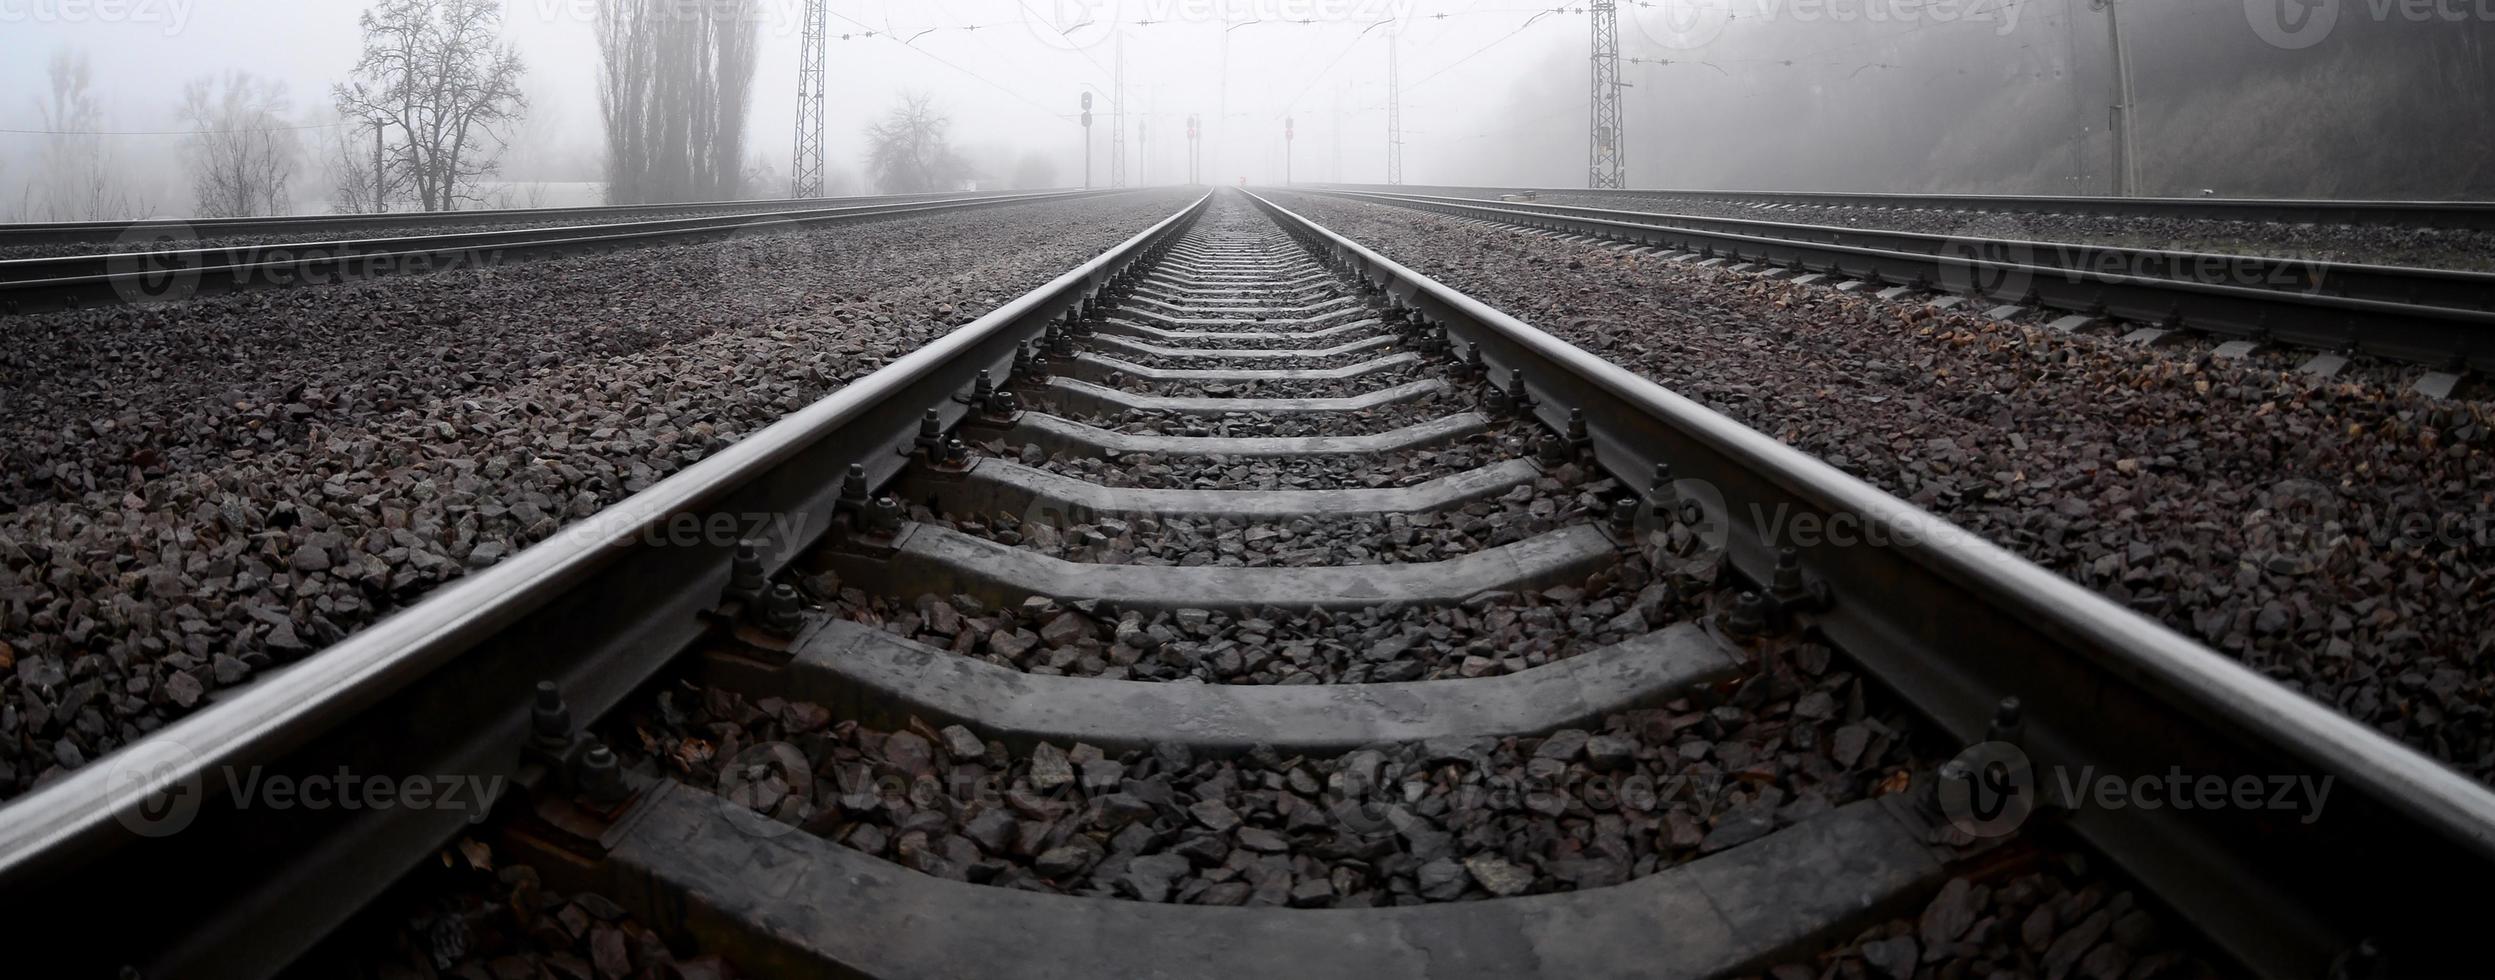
(1195, 148)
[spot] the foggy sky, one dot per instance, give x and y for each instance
(1012, 85)
(1998, 95)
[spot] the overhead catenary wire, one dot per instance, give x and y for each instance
(870, 31)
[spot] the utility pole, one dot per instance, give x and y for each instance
(1117, 118)
(1605, 150)
(1143, 150)
(1394, 106)
(1195, 149)
(1087, 141)
(2077, 182)
(2126, 180)
(381, 177)
(806, 165)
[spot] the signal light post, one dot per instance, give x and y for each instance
(1087, 141)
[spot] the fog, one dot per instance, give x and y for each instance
(1979, 95)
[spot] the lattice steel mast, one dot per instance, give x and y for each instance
(1606, 147)
(806, 163)
(1394, 106)
(1117, 118)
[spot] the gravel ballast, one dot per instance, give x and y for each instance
(194, 492)
(2056, 921)
(2331, 534)
(472, 915)
(1408, 824)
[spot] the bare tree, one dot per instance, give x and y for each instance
(910, 150)
(240, 153)
(675, 83)
(76, 180)
(444, 91)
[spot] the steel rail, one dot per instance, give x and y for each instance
(2385, 323)
(26, 234)
(1956, 624)
(2390, 284)
(2449, 215)
(74, 281)
(446, 686)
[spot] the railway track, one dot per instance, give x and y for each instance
(909, 681)
(2439, 318)
(2451, 215)
(32, 285)
(56, 233)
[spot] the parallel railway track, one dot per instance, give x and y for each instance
(2440, 318)
(33, 234)
(32, 285)
(890, 489)
(2455, 215)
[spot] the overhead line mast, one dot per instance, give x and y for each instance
(1117, 117)
(1605, 151)
(806, 163)
(1394, 105)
